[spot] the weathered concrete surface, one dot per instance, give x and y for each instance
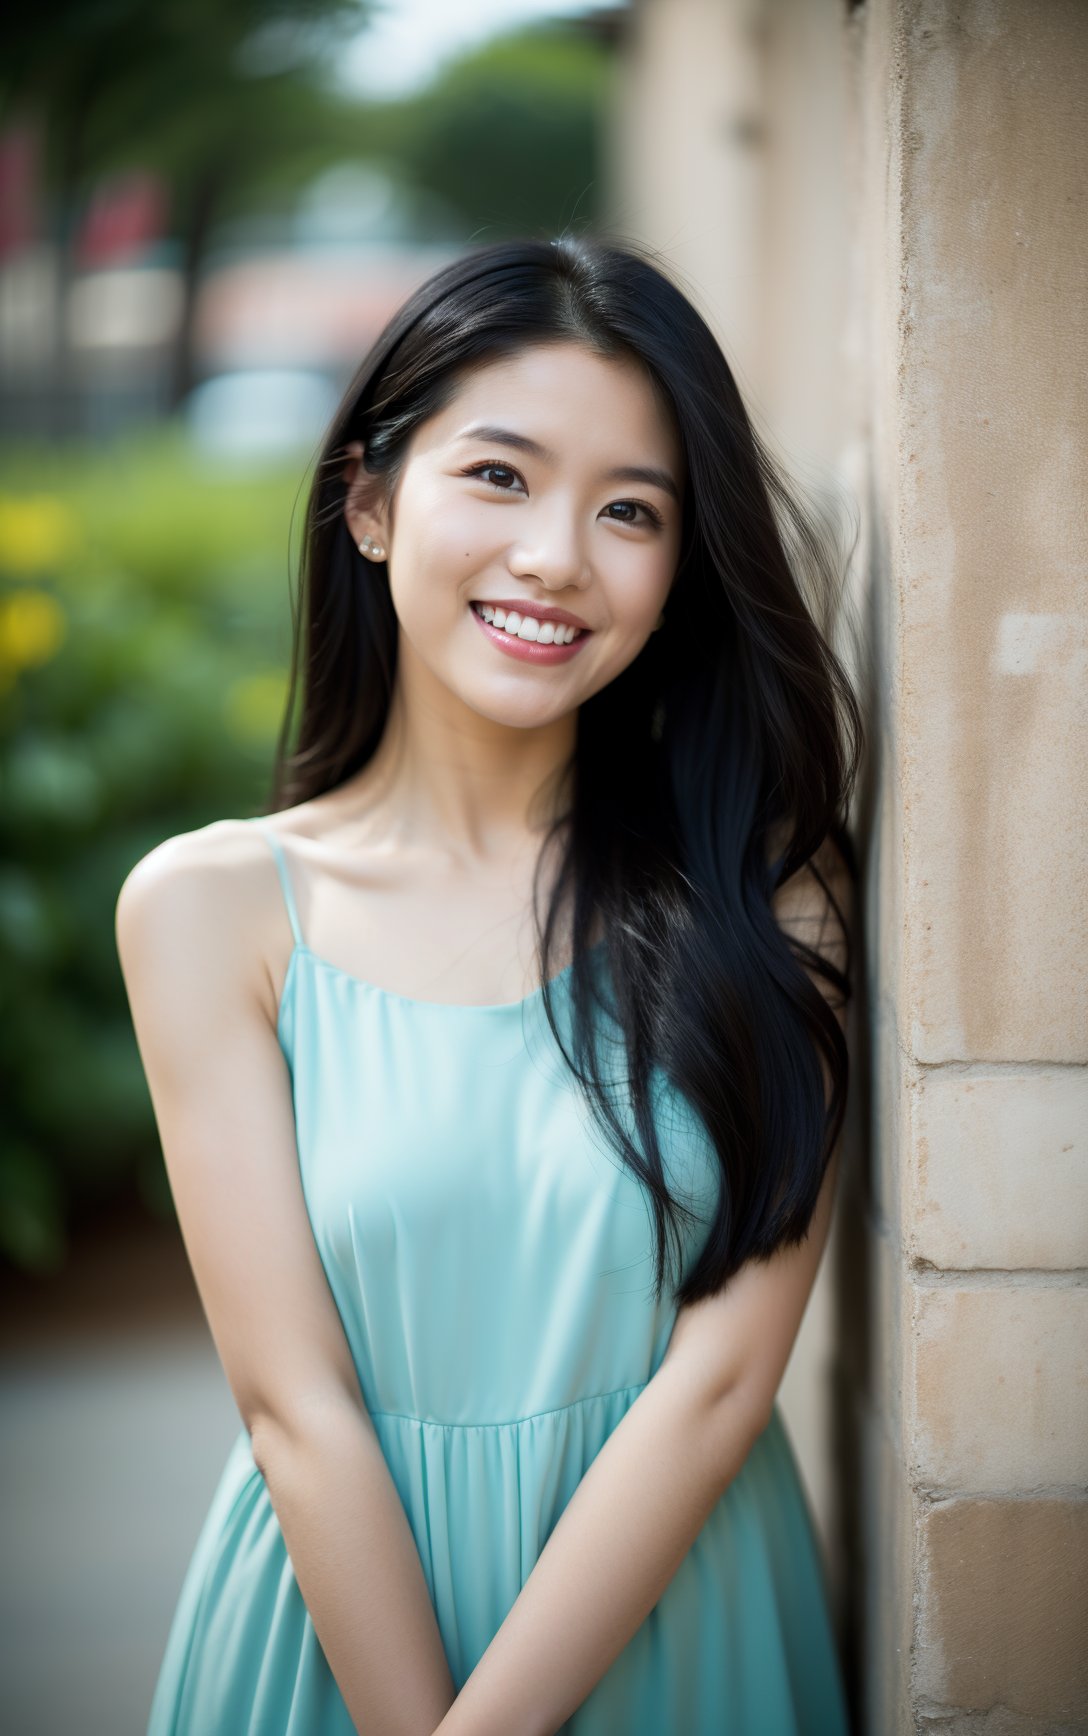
(990, 127)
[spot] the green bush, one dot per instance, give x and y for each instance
(144, 641)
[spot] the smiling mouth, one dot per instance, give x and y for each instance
(527, 627)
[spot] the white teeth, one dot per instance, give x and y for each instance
(527, 626)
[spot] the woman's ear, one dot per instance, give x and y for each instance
(363, 521)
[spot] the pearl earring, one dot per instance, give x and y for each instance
(373, 550)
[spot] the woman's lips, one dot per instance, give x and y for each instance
(529, 650)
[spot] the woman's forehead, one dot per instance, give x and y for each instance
(562, 398)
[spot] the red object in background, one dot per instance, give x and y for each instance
(19, 161)
(126, 215)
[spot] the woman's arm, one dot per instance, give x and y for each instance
(647, 1494)
(204, 1010)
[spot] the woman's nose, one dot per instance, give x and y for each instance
(551, 549)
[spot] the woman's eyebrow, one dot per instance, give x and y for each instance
(648, 473)
(506, 437)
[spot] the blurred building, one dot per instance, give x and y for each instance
(881, 208)
(89, 342)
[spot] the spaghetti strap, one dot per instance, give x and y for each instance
(285, 879)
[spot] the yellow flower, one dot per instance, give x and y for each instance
(37, 532)
(32, 627)
(254, 706)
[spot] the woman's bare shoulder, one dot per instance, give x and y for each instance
(198, 902)
(214, 866)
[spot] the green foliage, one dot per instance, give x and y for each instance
(144, 641)
(509, 136)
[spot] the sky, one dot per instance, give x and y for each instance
(410, 39)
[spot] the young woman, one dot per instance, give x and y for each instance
(499, 1069)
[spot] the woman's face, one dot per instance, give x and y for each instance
(553, 478)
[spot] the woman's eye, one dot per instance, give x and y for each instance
(631, 508)
(499, 475)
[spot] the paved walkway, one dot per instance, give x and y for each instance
(115, 1419)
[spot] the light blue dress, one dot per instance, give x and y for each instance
(490, 1258)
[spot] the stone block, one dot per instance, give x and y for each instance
(997, 1387)
(998, 1171)
(1004, 1614)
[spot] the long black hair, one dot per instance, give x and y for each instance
(719, 764)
